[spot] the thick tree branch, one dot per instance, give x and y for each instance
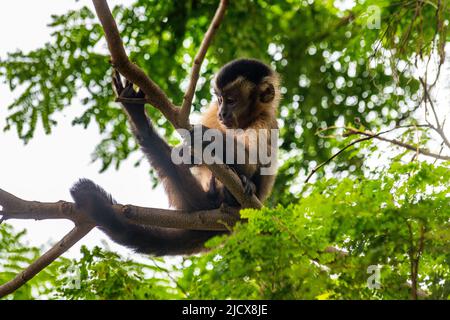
(199, 57)
(156, 97)
(218, 219)
(43, 261)
(16, 208)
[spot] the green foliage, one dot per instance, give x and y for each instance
(16, 255)
(318, 248)
(104, 275)
(98, 274)
(284, 253)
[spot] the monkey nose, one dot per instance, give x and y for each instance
(226, 119)
(224, 115)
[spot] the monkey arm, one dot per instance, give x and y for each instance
(183, 189)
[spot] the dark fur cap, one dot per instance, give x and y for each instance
(251, 69)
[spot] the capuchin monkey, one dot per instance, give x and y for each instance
(248, 94)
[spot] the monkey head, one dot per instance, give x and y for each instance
(245, 88)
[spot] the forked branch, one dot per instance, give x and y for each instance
(178, 117)
(198, 60)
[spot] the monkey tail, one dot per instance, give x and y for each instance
(97, 203)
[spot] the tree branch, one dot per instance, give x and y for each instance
(438, 127)
(43, 261)
(155, 95)
(369, 135)
(218, 219)
(423, 151)
(15, 208)
(199, 57)
(334, 156)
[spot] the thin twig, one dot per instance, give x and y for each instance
(439, 128)
(370, 135)
(428, 97)
(422, 151)
(334, 156)
(198, 60)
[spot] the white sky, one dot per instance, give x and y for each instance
(45, 169)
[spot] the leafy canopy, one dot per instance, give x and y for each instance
(338, 68)
(388, 221)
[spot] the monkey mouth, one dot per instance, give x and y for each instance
(227, 122)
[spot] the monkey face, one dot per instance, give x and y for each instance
(234, 101)
(225, 111)
(245, 88)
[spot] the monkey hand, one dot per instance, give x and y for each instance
(130, 98)
(249, 189)
(247, 183)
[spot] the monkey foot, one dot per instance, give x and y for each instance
(249, 186)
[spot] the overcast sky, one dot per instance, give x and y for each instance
(45, 169)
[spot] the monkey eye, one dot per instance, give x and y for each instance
(230, 101)
(219, 99)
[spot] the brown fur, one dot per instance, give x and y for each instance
(250, 116)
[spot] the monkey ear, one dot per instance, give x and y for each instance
(267, 92)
